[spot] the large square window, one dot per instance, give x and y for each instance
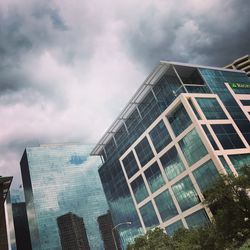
(149, 216)
(192, 147)
(160, 136)
(165, 205)
(227, 136)
(172, 163)
(211, 108)
(197, 219)
(139, 189)
(179, 119)
(144, 151)
(239, 161)
(154, 177)
(171, 229)
(205, 175)
(185, 193)
(130, 164)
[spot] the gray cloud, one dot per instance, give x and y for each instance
(213, 34)
(67, 68)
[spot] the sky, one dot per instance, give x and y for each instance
(68, 67)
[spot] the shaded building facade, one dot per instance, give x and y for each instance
(72, 232)
(58, 179)
(5, 183)
(180, 130)
(21, 226)
(106, 228)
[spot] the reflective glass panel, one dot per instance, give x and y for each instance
(211, 108)
(225, 165)
(240, 160)
(154, 177)
(194, 109)
(210, 137)
(197, 219)
(165, 205)
(139, 189)
(185, 193)
(245, 102)
(227, 136)
(172, 163)
(179, 119)
(192, 147)
(149, 216)
(171, 229)
(130, 164)
(205, 175)
(144, 151)
(160, 136)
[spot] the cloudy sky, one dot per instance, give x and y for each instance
(68, 67)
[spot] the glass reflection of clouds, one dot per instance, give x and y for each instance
(64, 178)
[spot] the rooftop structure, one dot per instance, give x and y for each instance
(242, 63)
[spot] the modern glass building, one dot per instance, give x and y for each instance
(182, 128)
(59, 179)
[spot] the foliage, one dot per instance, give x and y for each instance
(228, 199)
(153, 240)
(230, 204)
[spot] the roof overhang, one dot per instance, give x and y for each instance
(158, 71)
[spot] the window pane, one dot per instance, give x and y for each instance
(197, 219)
(225, 165)
(172, 163)
(227, 136)
(192, 147)
(165, 205)
(149, 216)
(130, 164)
(205, 175)
(211, 108)
(160, 136)
(144, 151)
(179, 119)
(194, 109)
(240, 161)
(154, 177)
(171, 229)
(210, 137)
(139, 189)
(185, 193)
(245, 102)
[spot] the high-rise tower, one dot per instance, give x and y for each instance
(58, 179)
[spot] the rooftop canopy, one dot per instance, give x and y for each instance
(164, 67)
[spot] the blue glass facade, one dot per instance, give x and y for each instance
(59, 179)
(216, 80)
(172, 145)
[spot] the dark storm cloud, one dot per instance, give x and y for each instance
(26, 34)
(213, 35)
(23, 36)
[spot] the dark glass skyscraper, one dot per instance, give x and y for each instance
(106, 228)
(58, 179)
(72, 232)
(183, 127)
